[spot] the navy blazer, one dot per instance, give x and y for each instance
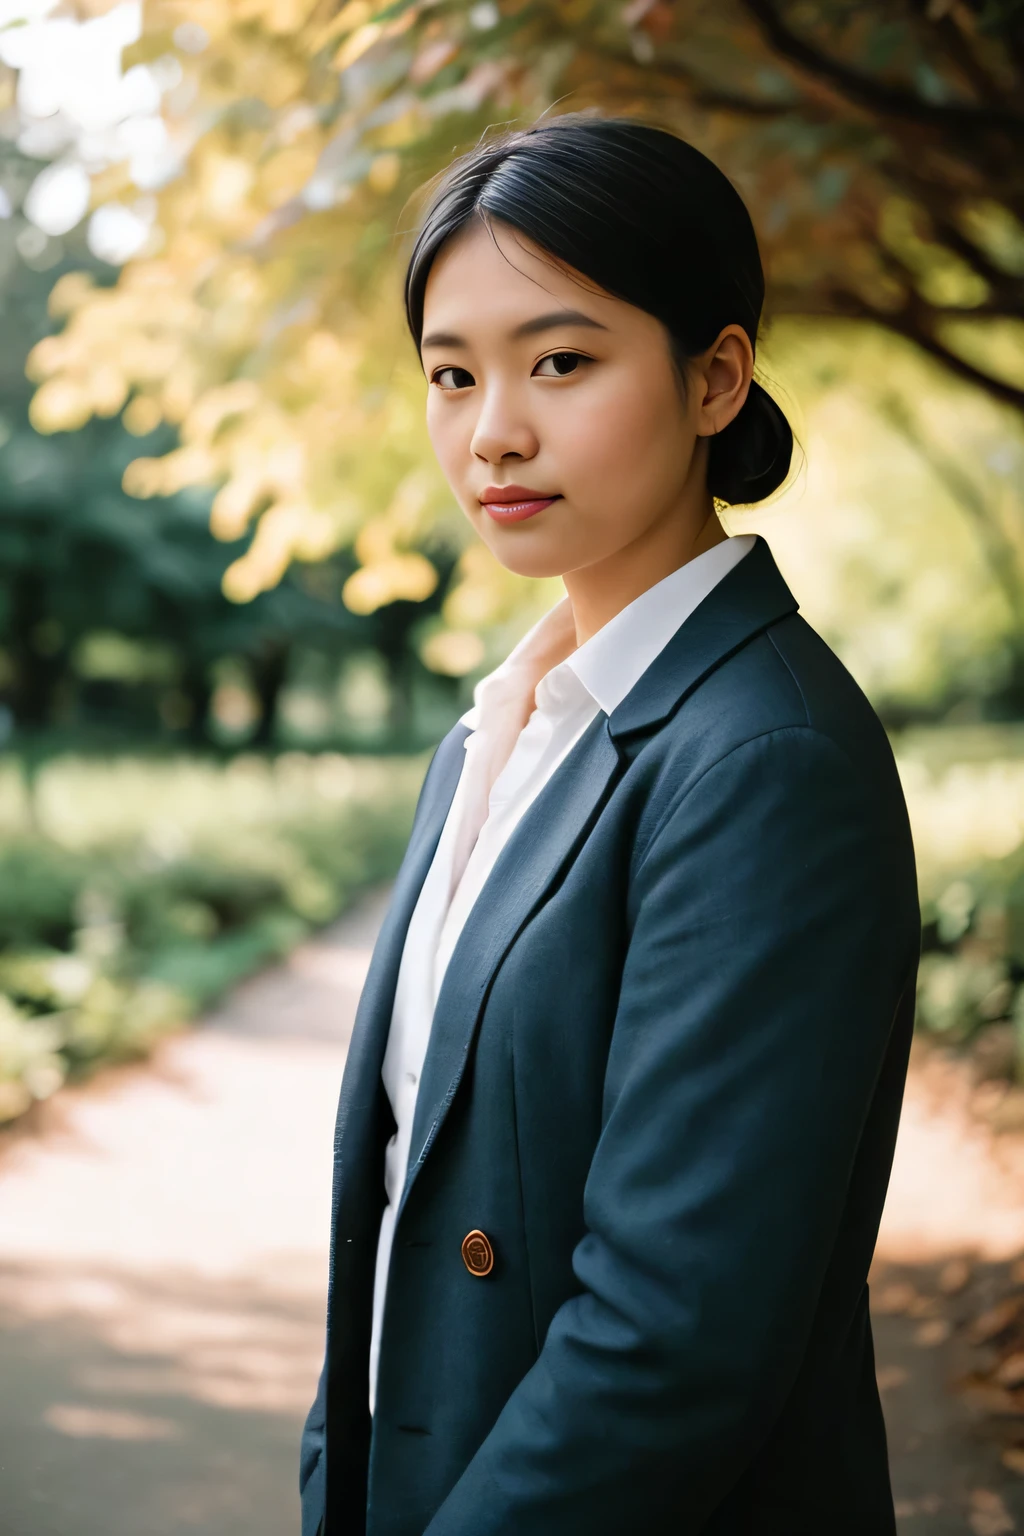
(664, 1079)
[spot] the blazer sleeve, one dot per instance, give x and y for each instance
(773, 933)
(311, 1452)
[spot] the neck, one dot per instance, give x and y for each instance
(598, 592)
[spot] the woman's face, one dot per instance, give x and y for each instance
(556, 412)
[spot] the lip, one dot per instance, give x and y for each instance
(514, 503)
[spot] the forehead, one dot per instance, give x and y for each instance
(494, 277)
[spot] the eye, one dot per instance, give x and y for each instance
(562, 364)
(452, 378)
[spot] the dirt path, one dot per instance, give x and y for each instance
(946, 1275)
(163, 1236)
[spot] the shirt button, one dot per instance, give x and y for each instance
(411, 1078)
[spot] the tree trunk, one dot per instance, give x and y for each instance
(269, 675)
(37, 673)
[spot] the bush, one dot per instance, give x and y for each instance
(133, 893)
(965, 791)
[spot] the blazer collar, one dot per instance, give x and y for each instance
(748, 599)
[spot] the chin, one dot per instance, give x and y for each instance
(530, 558)
(541, 547)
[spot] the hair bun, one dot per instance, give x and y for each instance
(750, 458)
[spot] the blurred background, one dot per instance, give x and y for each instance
(238, 607)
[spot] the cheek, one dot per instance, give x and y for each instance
(449, 428)
(627, 433)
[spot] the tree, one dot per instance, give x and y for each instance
(112, 613)
(111, 609)
(903, 198)
(879, 146)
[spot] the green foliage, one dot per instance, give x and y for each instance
(113, 619)
(965, 792)
(148, 888)
(902, 532)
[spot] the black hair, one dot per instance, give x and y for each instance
(649, 219)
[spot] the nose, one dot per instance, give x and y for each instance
(502, 430)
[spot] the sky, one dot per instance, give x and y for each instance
(79, 111)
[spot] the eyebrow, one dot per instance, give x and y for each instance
(528, 328)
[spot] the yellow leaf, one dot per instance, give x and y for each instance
(143, 478)
(359, 43)
(171, 473)
(226, 181)
(216, 406)
(108, 390)
(69, 291)
(353, 15)
(241, 582)
(316, 537)
(233, 506)
(374, 543)
(384, 172)
(59, 406)
(269, 554)
(48, 357)
(452, 652)
(284, 175)
(142, 415)
(408, 576)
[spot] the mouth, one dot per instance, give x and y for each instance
(514, 503)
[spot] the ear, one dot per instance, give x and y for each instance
(724, 373)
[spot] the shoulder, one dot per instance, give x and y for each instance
(778, 826)
(785, 684)
(778, 730)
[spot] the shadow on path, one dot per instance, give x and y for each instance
(938, 1348)
(133, 1408)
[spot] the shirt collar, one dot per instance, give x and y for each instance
(614, 659)
(540, 650)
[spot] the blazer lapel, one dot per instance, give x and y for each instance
(543, 843)
(745, 603)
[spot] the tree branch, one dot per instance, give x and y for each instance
(875, 96)
(743, 106)
(839, 303)
(958, 47)
(1000, 552)
(1007, 289)
(996, 389)
(672, 75)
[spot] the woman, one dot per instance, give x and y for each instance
(619, 1111)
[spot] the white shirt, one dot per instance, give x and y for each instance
(526, 717)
